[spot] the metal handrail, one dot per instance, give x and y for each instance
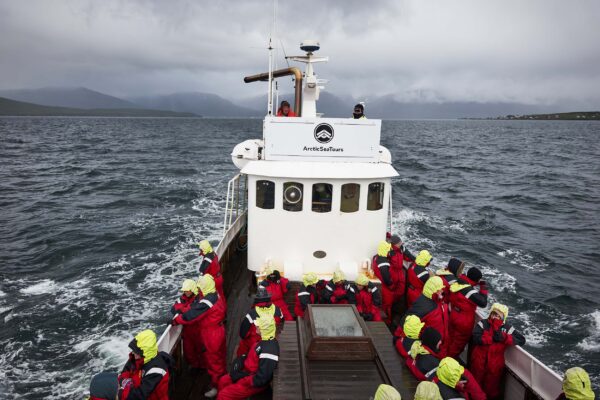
(235, 203)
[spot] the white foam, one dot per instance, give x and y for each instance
(2, 294)
(47, 286)
(523, 259)
(592, 342)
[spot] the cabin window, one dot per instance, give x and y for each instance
(350, 197)
(375, 196)
(265, 194)
(321, 197)
(292, 196)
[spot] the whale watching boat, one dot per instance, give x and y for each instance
(314, 194)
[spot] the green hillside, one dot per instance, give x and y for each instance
(18, 108)
(576, 116)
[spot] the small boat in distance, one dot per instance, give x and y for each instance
(314, 194)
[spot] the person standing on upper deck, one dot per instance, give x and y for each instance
(490, 338)
(285, 110)
(359, 112)
(192, 343)
(209, 264)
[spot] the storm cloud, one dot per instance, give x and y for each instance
(534, 52)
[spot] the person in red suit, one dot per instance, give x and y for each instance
(277, 286)
(490, 339)
(416, 276)
(432, 310)
(208, 313)
(307, 294)
(368, 299)
(146, 373)
(209, 264)
(251, 373)
(285, 110)
(192, 348)
(464, 300)
(262, 306)
(338, 291)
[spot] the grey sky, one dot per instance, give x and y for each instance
(505, 50)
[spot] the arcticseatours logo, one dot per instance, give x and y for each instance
(323, 133)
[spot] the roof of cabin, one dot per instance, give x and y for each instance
(319, 170)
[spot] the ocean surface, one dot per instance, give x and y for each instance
(100, 216)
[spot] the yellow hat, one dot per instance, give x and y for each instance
(427, 390)
(266, 324)
(449, 371)
(412, 326)
(432, 285)
(423, 258)
(145, 345)
(417, 348)
(338, 276)
(269, 271)
(206, 284)
(576, 384)
(387, 392)
(310, 278)
(500, 308)
(205, 246)
(383, 248)
(189, 285)
(362, 280)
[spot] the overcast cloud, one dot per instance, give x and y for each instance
(537, 52)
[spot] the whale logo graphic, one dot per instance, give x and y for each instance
(323, 133)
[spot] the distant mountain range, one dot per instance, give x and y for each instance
(212, 105)
(19, 108)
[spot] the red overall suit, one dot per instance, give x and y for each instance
(338, 293)
(490, 339)
(192, 346)
(208, 315)
(248, 334)
(251, 374)
(416, 277)
(464, 300)
(434, 313)
(304, 297)
(368, 302)
(390, 272)
(210, 265)
(278, 288)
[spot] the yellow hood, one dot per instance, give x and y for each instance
(387, 392)
(265, 311)
(428, 391)
(362, 280)
(383, 248)
(310, 278)
(145, 341)
(423, 258)
(417, 348)
(338, 276)
(268, 271)
(206, 284)
(449, 371)
(205, 246)
(189, 285)
(412, 326)
(501, 308)
(457, 287)
(266, 324)
(576, 385)
(432, 285)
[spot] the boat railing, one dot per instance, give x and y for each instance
(236, 203)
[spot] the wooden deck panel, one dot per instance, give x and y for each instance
(287, 382)
(402, 379)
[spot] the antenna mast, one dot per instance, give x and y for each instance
(273, 31)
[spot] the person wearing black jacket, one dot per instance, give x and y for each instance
(251, 373)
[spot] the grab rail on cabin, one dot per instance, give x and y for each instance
(236, 202)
